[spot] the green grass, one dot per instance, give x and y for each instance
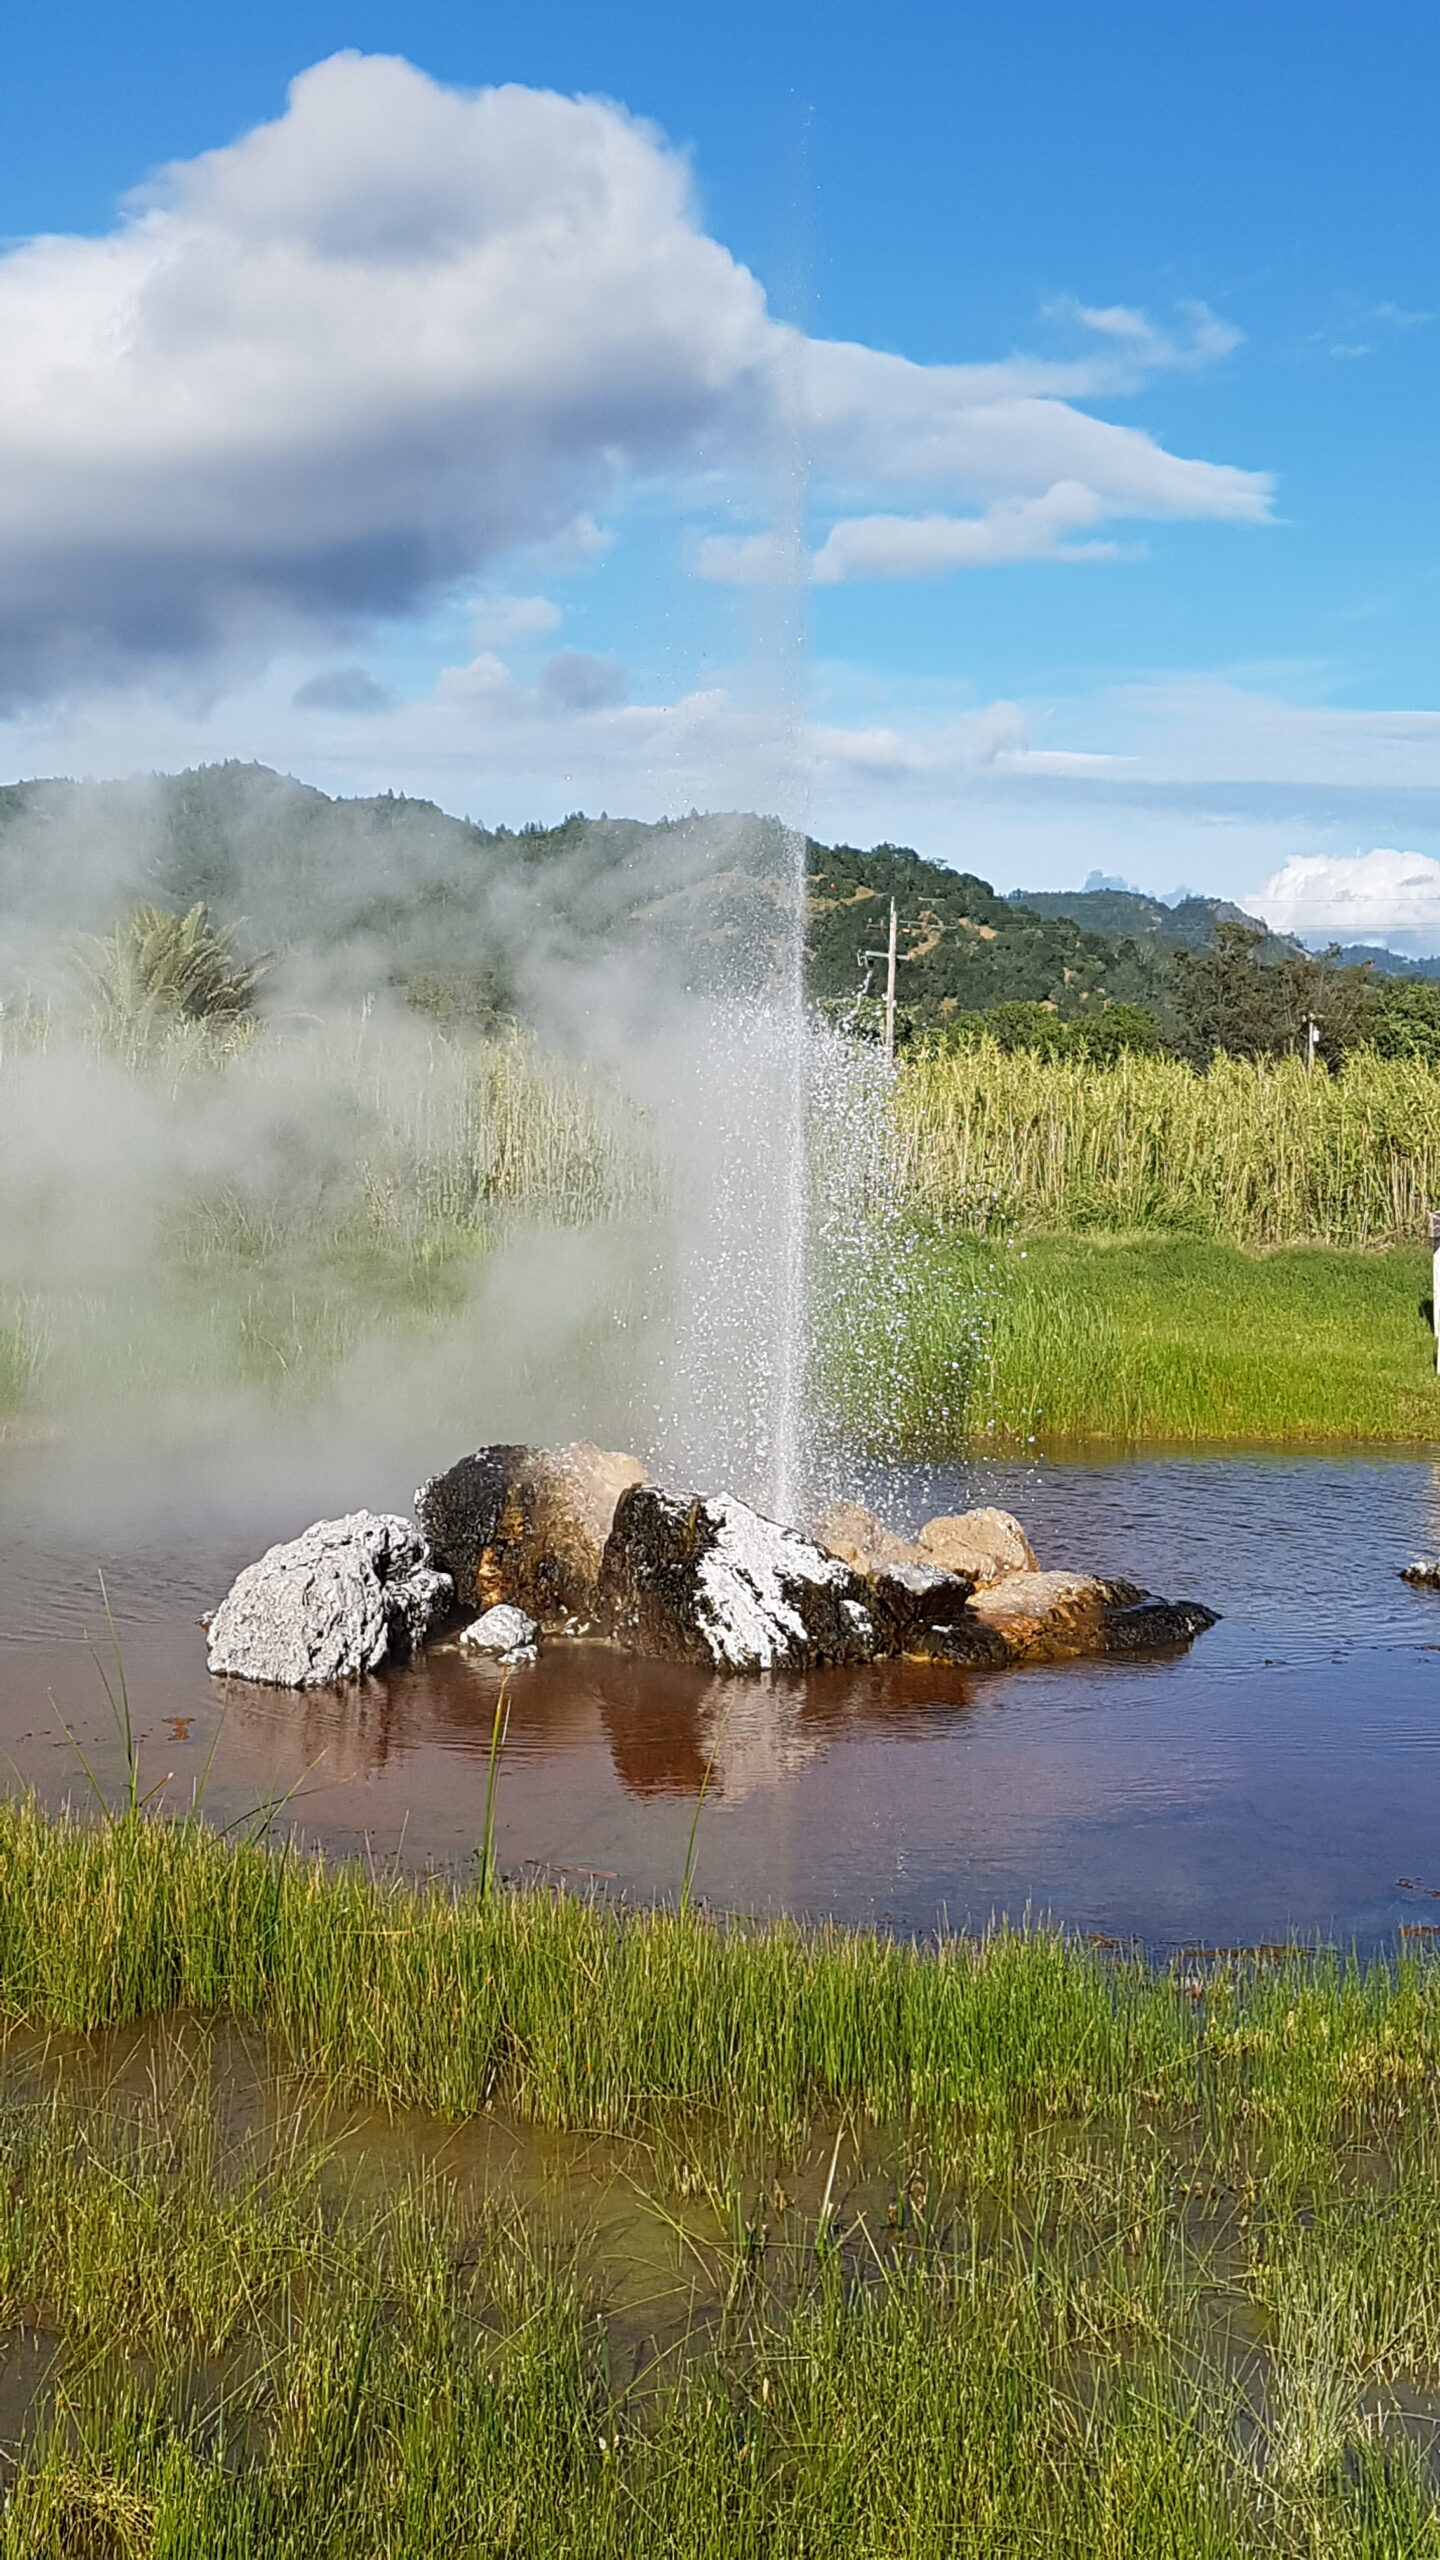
(995, 2248)
(590, 2017)
(1164, 1340)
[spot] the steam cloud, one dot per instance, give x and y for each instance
(309, 1228)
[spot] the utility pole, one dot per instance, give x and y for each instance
(890, 956)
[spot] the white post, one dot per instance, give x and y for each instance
(890, 989)
(1435, 1281)
(1312, 1043)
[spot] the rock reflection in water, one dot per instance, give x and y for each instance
(665, 1724)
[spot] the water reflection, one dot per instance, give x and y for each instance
(1284, 1775)
(670, 1728)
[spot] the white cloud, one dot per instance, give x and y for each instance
(499, 619)
(927, 546)
(983, 432)
(332, 369)
(484, 679)
(1152, 350)
(327, 370)
(1362, 897)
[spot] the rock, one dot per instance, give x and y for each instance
(860, 1540)
(987, 1544)
(1060, 1617)
(503, 1631)
(710, 1580)
(964, 1640)
(917, 1606)
(527, 1527)
(1424, 1573)
(909, 1602)
(331, 1605)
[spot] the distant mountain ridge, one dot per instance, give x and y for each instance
(1189, 925)
(1387, 964)
(1129, 915)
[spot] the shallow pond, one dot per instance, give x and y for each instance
(1281, 1778)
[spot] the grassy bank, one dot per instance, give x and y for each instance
(1166, 1341)
(989, 2248)
(587, 2017)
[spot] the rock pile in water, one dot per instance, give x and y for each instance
(577, 1541)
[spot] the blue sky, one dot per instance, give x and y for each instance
(1230, 678)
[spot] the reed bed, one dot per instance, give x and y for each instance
(1249, 1153)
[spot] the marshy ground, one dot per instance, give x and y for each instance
(332, 2221)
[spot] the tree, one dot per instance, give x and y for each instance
(1406, 1022)
(1228, 998)
(1106, 1035)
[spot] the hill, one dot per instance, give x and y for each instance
(1129, 915)
(962, 946)
(474, 922)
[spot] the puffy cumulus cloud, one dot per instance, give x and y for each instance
(1364, 897)
(355, 357)
(345, 360)
(573, 681)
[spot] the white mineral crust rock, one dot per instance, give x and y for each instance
(504, 1631)
(330, 1605)
(746, 1608)
(710, 1580)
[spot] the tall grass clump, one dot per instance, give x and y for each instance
(1247, 1152)
(587, 2015)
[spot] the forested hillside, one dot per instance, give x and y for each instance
(469, 923)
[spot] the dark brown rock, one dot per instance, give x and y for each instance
(965, 1641)
(907, 1602)
(713, 1581)
(526, 1528)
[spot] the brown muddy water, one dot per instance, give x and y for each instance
(1280, 1779)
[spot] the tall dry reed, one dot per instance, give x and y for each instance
(1249, 1153)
